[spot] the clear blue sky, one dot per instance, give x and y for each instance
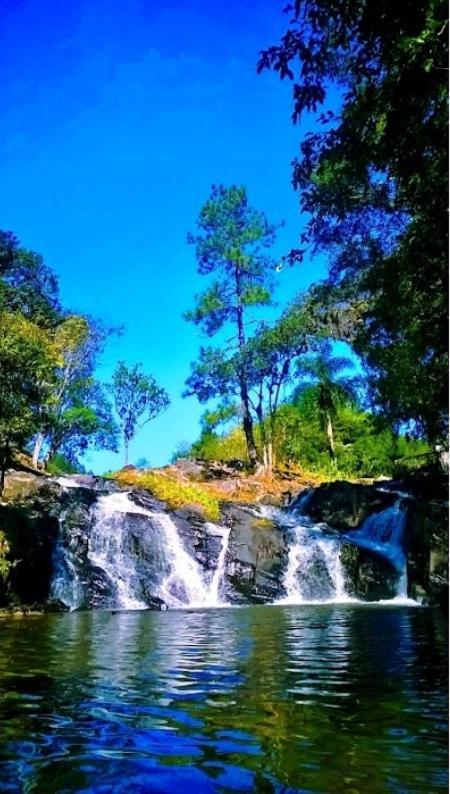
(116, 118)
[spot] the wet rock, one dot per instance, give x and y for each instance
(343, 505)
(257, 556)
(367, 576)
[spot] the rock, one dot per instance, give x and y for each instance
(427, 539)
(257, 556)
(343, 505)
(367, 577)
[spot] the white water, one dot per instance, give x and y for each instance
(314, 573)
(185, 584)
(214, 588)
(66, 586)
(106, 546)
(383, 533)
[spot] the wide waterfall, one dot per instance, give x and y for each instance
(131, 553)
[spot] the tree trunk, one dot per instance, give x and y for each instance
(247, 422)
(127, 449)
(270, 457)
(37, 449)
(4, 460)
(330, 437)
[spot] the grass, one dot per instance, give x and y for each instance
(174, 493)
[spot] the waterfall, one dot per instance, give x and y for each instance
(65, 586)
(383, 534)
(185, 584)
(108, 548)
(314, 572)
(141, 556)
(216, 581)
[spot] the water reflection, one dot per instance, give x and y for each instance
(329, 699)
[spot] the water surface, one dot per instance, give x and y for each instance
(326, 699)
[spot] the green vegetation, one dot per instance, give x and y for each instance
(176, 494)
(373, 180)
(5, 563)
(137, 400)
(231, 245)
(363, 445)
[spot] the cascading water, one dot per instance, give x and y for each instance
(108, 548)
(165, 572)
(123, 555)
(383, 534)
(314, 572)
(65, 586)
(185, 585)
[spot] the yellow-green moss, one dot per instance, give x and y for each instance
(262, 523)
(173, 492)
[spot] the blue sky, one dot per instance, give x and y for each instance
(116, 119)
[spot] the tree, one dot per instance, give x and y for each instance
(374, 182)
(137, 400)
(85, 422)
(28, 361)
(333, 387)
(231, 246)
(27, 285)
(270, 356)
(76, 414)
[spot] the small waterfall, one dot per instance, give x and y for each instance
(314, 572)
(216, 581)
(66, 586)
(109, 551)
(383, 534)
(119, 530)
(185, 585)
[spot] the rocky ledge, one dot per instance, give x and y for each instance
(41, 515)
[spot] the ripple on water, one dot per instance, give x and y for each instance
(255, 699)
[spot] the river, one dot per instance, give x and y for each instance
(330, 698)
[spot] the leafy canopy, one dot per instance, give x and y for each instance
(137, 399)
(373, 179)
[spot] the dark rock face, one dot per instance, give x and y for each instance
(428, 547)
(50, 525)
(367, 577)
(257, 557)
(344, 505)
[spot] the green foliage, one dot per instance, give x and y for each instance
(5, 563)
(365, 446)
(211, 446)
(28, 361)
(76, 414)
(137, 400)
(373, 180)
(27, 285)
(231, 245)
(60, 464)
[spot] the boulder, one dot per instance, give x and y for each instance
(256, 558)
(343, 505)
